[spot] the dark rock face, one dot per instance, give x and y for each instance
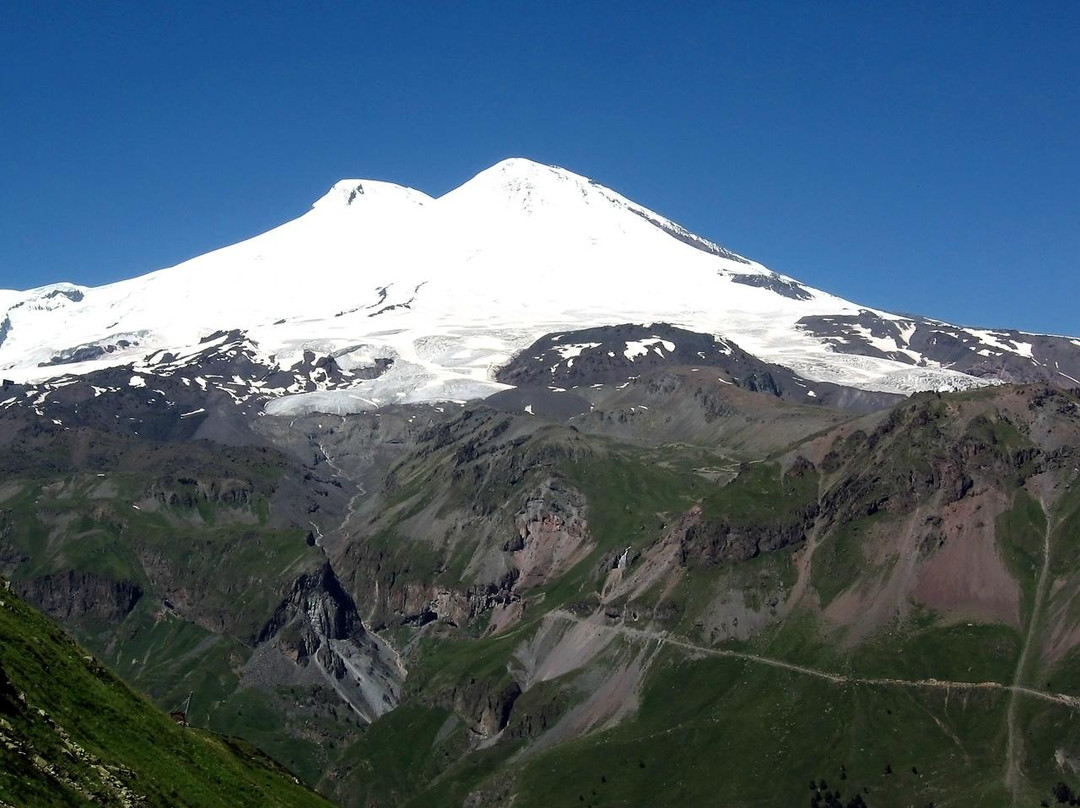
(187, 492)
(484, 705)
(403, 600)
(614, 354)
(552, 533)
(775, 283)
(509, 519)
(708, 543)
(76, 595)
(846, 334)
(1006, 355)
(933, 461)
(327, 609)
(211, 394)
(530, 720)
(608, 354)
(317, 624)
(787, 505)
(554, 405)
(74, 295)
(85, 353)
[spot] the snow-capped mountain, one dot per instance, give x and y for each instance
(422, 299)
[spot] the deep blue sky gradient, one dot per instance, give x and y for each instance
(915, 156)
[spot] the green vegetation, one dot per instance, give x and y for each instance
(631, 498)
(839, 560)
(1020, 533)
(216, 548)
(998, 432)
(440, 663)
(1065, 535)
(209, 543)
(395, 756)
(168, 657)
(308, 752)
(762, 495)
(74, 734)
(723, 732)
(925, 649)
(418, 756)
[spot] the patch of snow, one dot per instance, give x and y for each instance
(1001, 341)
(884, 344)
(636, 348)
(575, 349)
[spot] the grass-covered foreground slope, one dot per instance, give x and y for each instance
(71, 733)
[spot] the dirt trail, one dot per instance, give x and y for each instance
(1012, 747)
(1015, 689)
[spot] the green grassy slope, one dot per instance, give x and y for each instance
(71, 733)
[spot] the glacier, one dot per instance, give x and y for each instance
(450, 289)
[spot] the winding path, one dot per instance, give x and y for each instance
(1012, 747)
(1072, 702)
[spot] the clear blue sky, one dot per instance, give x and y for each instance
(922, 157)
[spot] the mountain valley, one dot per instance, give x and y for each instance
(471, 514)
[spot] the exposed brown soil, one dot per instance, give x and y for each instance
(967, 576)
(894, 553)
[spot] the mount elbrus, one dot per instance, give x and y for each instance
(396, 297)
(527, 495)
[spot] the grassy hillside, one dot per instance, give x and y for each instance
(72, 734)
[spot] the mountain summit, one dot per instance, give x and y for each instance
(444, 291)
